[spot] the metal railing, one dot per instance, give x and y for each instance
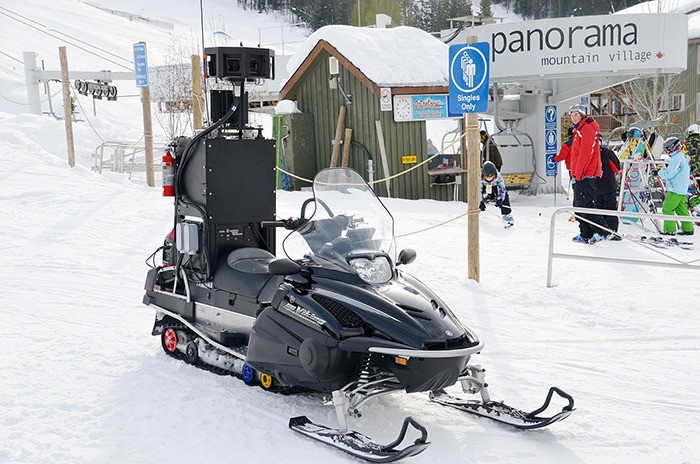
(128, 157)
(674, 261)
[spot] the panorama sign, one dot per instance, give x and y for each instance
(587, 45)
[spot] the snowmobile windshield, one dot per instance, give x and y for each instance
(350, 222)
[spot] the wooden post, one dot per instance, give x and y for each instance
(385, 161)
(67, 113)
(346, 148)
(147, 134)
(338, 134)
(196, 92)
(471, 122)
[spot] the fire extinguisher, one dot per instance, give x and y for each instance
(168, 169)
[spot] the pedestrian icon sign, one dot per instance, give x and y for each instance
(469, 78)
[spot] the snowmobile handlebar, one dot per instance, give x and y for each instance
(289, 224)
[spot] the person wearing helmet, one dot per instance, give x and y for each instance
(692, 144)
(494, 189)
(586, 166)
(676, 177)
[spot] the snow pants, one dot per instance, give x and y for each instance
(608, 201)
(675, 203)
(584, 197)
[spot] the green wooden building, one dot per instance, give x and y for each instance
(356, 67)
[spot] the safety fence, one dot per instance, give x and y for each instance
(122, 157)
(688, 261)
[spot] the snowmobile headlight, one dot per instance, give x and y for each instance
(372, 271)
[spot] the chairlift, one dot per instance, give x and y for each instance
(512, 138)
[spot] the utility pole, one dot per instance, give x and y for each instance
(141, 72)
(197, 97)
(471, 124)
(68, 114)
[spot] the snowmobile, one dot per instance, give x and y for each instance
(342, 319)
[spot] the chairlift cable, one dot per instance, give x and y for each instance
(63, 39)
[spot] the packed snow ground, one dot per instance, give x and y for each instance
(83, 381)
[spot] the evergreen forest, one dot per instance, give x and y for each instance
(429, 15)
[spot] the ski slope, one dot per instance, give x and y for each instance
(84, 382)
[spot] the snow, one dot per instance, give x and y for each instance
(83, 381)
(688, 7)
(386, 56)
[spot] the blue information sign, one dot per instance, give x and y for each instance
(140, 64)
(469, 78)
(550, 139)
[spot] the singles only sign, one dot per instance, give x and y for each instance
(469, 78)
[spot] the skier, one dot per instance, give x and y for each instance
(494, 189)
(585, 168)
(692, 144)
(676, 175)
(494, 154)
(606, 189)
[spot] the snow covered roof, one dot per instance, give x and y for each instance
(688, 7)
(395, 57)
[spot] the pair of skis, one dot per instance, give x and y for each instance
(363, 447)
(664, 242)
(658, 242)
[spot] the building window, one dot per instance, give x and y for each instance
(678, 102)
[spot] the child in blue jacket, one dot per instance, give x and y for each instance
(676, 176)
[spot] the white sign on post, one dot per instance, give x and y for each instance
(385, 99)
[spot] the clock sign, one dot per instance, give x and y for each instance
(420, 107)
(403, 108)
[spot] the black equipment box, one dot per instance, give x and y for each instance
(240, 63)
(220, 102)
(233, 182)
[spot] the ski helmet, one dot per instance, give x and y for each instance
(488, 169)
(671, 145)
(634, 133)
(694, 129)
(580, 109)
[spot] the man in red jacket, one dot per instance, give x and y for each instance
(586, 166)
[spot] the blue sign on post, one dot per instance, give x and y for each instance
(550, 139)
(140, 64)
(469, 78)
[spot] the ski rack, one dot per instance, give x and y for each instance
(672, 259)
(641, 166)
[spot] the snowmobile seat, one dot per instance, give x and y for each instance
(245, 272)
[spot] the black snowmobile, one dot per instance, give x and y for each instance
(342, 319)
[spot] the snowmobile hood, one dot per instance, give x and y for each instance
(404, 311)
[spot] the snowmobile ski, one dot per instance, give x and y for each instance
(360, 445)
(501, 412)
